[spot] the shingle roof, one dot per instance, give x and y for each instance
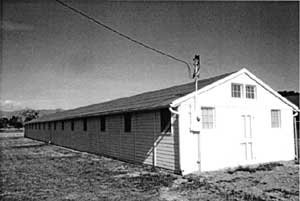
(145, 101)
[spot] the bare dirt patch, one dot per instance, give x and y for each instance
(33, 170)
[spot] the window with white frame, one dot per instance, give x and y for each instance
(275, 118)
(250, 91)
(236, 90)
(208, 117)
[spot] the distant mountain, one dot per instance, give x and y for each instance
(9, 114)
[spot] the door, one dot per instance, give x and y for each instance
(246, 144)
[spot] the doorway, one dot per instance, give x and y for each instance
(246, 143)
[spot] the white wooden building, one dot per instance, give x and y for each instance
(237, 120)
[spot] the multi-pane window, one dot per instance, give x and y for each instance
(62, 125)
(236, 90)
(72, 125)
(275, 118)
(165, 120)
(208, 117)
(85, 124)
(127, 122)
(250, 91)
(102, 123)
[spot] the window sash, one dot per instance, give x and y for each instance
(250, 92)
(208, 117)
(275, 118)
(236, 90)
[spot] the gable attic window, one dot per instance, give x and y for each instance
(275, 118)
(250, 92)
(165, 120)
(85, 124)
(102, 123)
(208, 117)
(236, 90)
(127, 122)
(72, 125)
(62, 125)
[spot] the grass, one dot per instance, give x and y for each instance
(32, 170)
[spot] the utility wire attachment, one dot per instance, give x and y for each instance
(125, 36)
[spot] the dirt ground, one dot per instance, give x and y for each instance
(32, 170)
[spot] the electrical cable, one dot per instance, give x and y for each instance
(123, 35)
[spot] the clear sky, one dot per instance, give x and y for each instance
(54, 58)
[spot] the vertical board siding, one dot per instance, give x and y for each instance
(135, 146)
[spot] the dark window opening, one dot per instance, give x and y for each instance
(39, 126)
(127, 122)
(165, 120)
(85, 124)
(44, 126)
(72, 125)
(54, 125)
(49, 126)
(62, 125)
(102, 123)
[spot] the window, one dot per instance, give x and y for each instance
(72, 125)
(102, 123)
(54, 125)
(127, 122)
(62, 125)
(208, 117)
(39, 126)
(44, 126)
(275, 119)
(49, 126)
(250, 91)
(85, 124)
(165, 120)
(236, 90)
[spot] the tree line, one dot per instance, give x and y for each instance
(17, 121)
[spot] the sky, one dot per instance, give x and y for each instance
(53, 58)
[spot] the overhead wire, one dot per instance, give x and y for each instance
(124, 35)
